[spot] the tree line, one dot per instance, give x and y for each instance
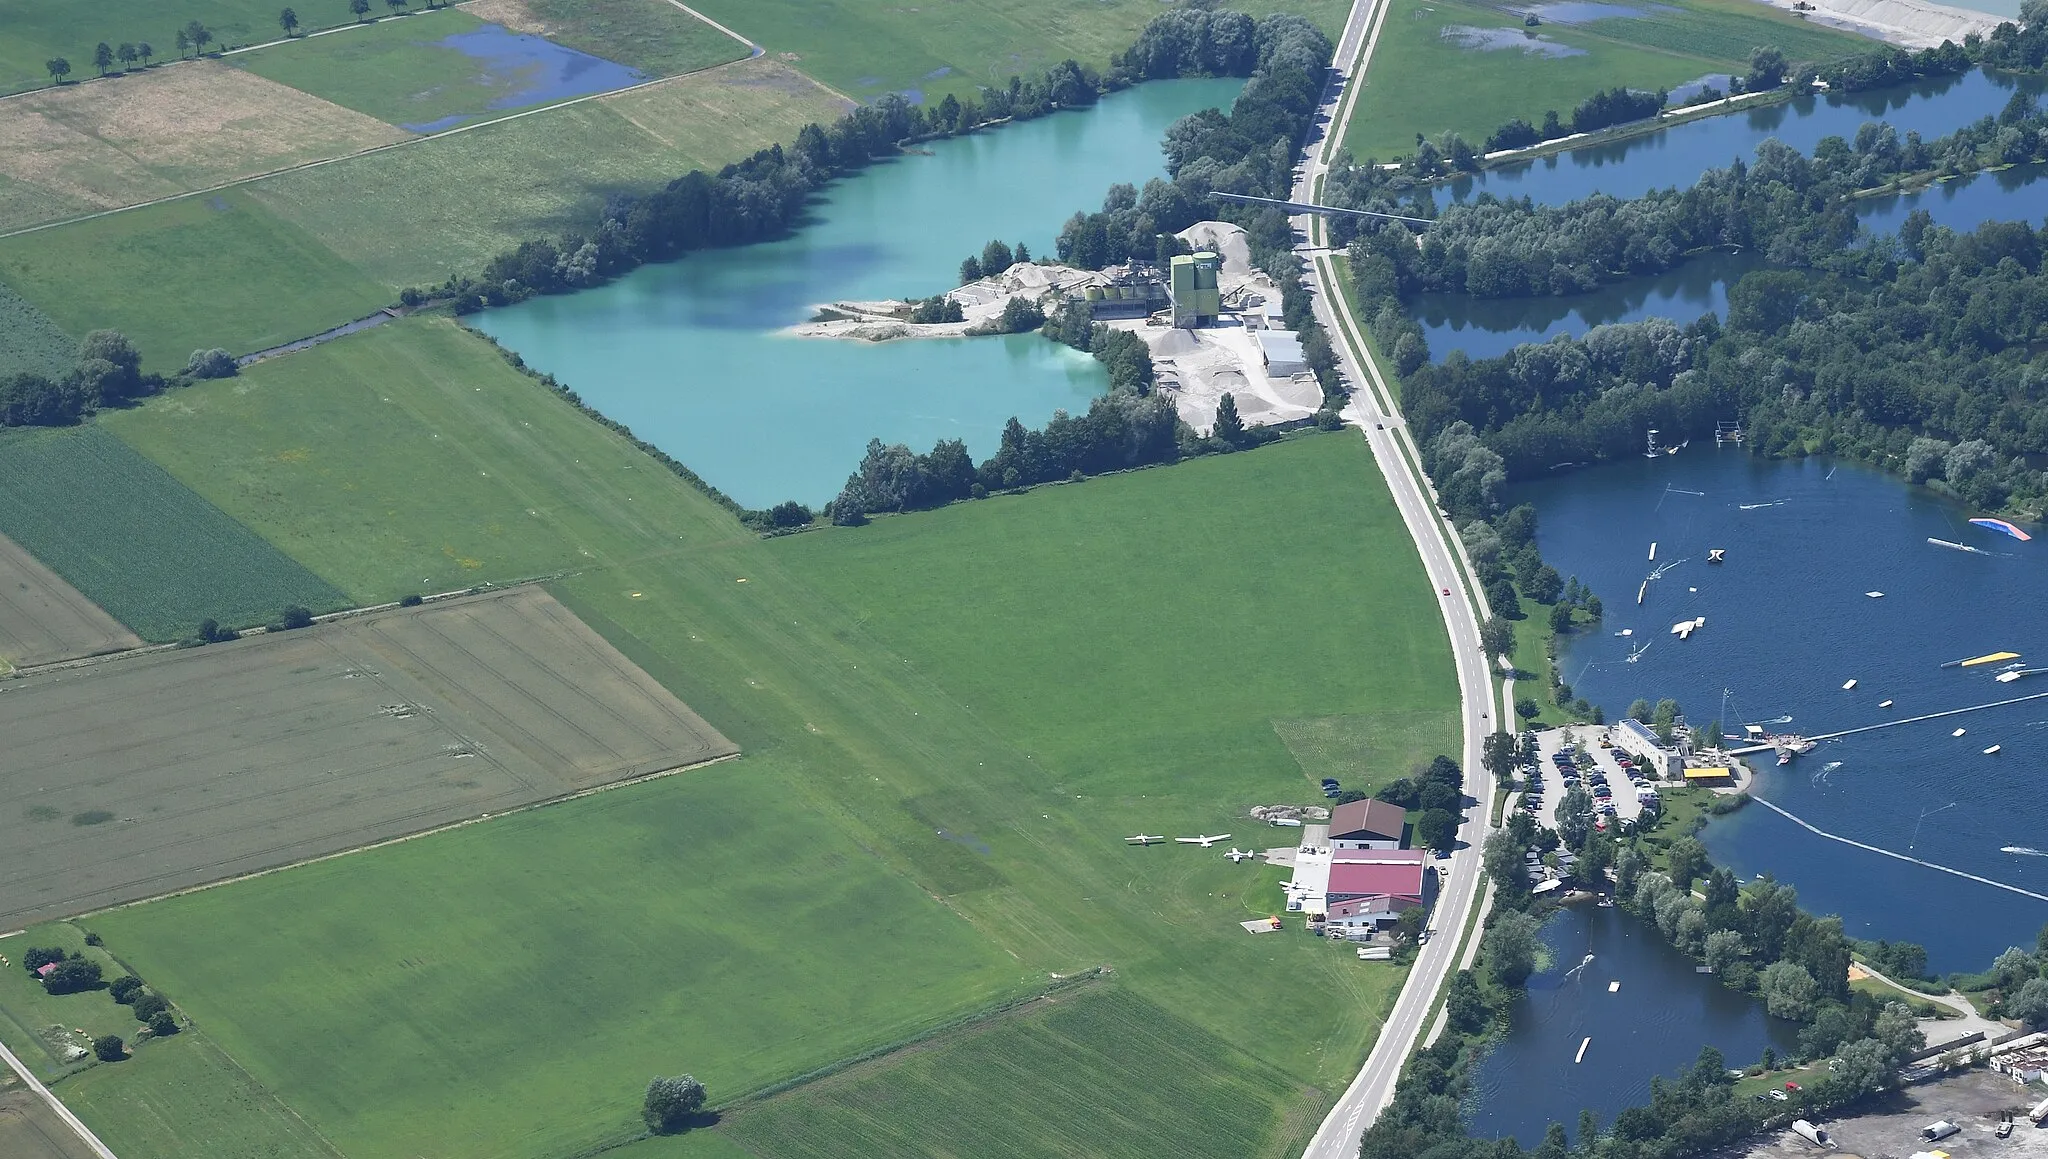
(195, 38)
(108, 373)
(1912, 352)
(1252, 146)
(762, 196)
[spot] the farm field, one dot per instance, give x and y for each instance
(43, 1029)
(653, 36)
(1046, 1082)
(388, 213)
(412, 458)
(135, 541)
(37, 30)
(1421, 82)
(864, 50)
(182, 1096)
(504, 990)
(414, 72)
(44, 619)
(857, 717)
(183, 767)
(82, 148)
(29, 1129)
(29, 341)
(217, 270)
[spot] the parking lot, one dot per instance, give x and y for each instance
(1888, 1127)
(1603, 769)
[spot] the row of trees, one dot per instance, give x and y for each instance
(760, 197)
(1439, 792)
(195, 37)
(994, 258)
(75, 973)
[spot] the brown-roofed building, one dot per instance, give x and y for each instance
(1367, 825)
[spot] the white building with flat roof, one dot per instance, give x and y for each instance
(1638, 740)
(1282, 352)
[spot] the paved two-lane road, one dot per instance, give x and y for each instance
(1373, 410)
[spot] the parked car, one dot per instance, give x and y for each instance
(1330, 782)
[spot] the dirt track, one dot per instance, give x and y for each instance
(43, 619)
(136, 776)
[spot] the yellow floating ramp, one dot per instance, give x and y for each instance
(1994, 658)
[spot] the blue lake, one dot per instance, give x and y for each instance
(686, 353)
(1678, 155)
(1788, 624)
(1653, 1023)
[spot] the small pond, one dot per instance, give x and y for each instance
(1640, 1009)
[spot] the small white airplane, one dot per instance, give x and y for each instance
(1236, 855)
(1142, 839)
(1203, 841)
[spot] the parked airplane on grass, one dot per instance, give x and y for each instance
(1236, 855)
(1141, 839)
(1203, 841)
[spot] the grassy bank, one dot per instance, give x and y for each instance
(865, 50)
(951, 721)
(1422, 82)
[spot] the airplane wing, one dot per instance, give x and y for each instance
(1191, 841)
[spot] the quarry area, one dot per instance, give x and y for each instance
(1213, 324)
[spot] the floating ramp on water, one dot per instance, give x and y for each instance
(1875, 595)
(1992, 751)
(1954, 546)
(1848, 686)
(1991, 658)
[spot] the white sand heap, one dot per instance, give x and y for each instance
(1912, 23)
(1196, 368)
(1226, 240)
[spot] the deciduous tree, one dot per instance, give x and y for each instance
(103, 57)
(1788, 990)
(109, 1048)
(59, 68)
(670, 1102)
(289, 21)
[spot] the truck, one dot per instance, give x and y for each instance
(2039, 1114)
(1938, 1130)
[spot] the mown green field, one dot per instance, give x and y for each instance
(137, 542)
(1420, 82)
(394, 70)
(864, 49)
(215, 270)
(182, 1096)
(391, 215)
(505, 989)
(33, 31)
(1049, 1083)
(391, 461)
(30, 341)
(931, 729)
(653, 36)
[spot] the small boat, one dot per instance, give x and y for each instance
(1642, 591)
(1653, 551)
(1875, 595)
(1846, 687)
(1990, 751)
(1957, 732)
(1884, 704)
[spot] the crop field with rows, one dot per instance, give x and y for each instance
(136, 541)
